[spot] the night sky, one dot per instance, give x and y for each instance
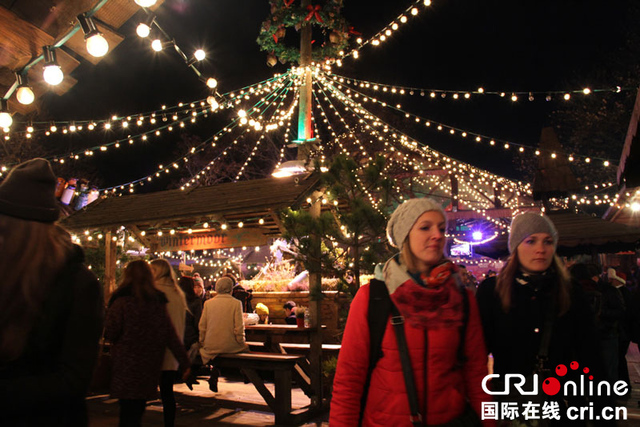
(499, 45)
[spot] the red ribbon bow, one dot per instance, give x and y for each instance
(314, 11)
(287, 3)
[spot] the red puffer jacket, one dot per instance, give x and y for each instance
(387, 403)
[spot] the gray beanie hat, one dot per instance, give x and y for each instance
(529, 223)
(406, 215)
(224, 285)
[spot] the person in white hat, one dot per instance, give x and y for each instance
(221, 327)
(448, 364)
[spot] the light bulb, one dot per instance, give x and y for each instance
(25, 95)
(145, 3)
(52, 74)
(199, 54)
(156, 45)
(212, 83)
(5, 120)
(143, 30)
(97, 45)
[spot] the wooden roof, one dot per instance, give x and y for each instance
(578, 233)
(246, 201)
(28, 25)
(628, 173)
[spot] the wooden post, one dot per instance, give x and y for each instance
(314, 267)
(304, 109)
(454, 193)
(109, 265)
(315, 288)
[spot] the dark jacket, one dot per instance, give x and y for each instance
(48, 383)
(291, 319)
(140, 331)
(514, 337)
(191, 331)
(613, 311)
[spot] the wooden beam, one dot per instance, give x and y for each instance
(276, 219)
(21, 40)
(142, 239)
(77, 44)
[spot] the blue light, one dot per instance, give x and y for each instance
(477, 235)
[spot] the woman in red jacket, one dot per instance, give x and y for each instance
(424, 287)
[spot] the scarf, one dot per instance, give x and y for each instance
(543, 282)
(435, 304)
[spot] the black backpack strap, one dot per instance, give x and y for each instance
(397, 320)
(378, 316)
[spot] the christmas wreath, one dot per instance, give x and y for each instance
(284, 14)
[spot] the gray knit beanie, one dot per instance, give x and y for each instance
(224, 285)
(406, 215)
(529, 223)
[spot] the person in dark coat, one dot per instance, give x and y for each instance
(191, 332)
(139, 327)
(289, 312)
(194, 306)
(533, 285)
(51, 308)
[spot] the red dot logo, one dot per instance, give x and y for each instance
(561, 370)
(574, 365)
(585, 370)
(551, 386)
(591, 377)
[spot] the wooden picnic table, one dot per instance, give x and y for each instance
(274, 335)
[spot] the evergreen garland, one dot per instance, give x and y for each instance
(285, 15)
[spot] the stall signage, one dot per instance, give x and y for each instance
(209, 240)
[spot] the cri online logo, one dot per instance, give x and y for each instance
(551, 386)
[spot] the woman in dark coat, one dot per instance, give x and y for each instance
(50, 307)
(533, 294)
(140, 329)
(194, 305)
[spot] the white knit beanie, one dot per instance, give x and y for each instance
(529, 223)
(406, 215)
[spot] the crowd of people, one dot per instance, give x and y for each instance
(415, 347)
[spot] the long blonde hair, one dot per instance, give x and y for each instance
(162, 270)
(505, 279)
(33, 254)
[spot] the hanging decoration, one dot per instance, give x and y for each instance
(284, 14)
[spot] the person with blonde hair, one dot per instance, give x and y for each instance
(139, 327)
(430, 361)
(51, 306)
(263, 313)
(166, 282)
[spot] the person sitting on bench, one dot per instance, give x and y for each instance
(289, 312)
(221, 327)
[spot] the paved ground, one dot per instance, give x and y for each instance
(201, 407)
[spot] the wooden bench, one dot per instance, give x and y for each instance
(256, 345)
(298, 348)
(281, 364)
